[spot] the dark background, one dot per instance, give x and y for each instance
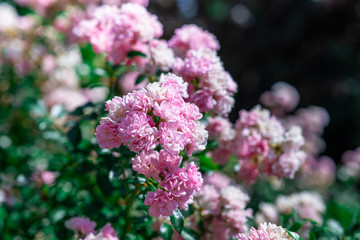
(313, 45)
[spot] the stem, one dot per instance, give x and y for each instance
(129, 202)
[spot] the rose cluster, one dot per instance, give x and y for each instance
(223, 207)
(260, 143)
(116, 31)
(211, 88)
(266, 231)
(147, 118)
(85, 227)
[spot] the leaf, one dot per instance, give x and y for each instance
(177, 220)
(189, 212)
(312, 236)
(189, 234)
(74, 135)
(132, 54)
(166, 231)
(139, 79)
(296, 226)
(293, 235)
(335, 227)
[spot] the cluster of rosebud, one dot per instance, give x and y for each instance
(260, 143)
(211, 88)
(84, 229)
(223, 207)
(152, 117)
(308, 205)
(116, 31)
(266, 231)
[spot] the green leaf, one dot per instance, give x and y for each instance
(189, 212)
(296, 226)
(293, 235)
(312, 236)
(166, 231)
(189, 234)
(335, 227)
(74, 135)
(132, 54)
(177, 220)
(139, 79)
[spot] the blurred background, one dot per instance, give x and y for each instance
(311, 44)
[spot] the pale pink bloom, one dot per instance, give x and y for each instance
(266, 231)
(166, 161)
(67, 97)
(66, 22)
(49, 64)
(143, 164)
(351, 161)
(283, 97)
(106, 233)
(267, 212)
(81, 225)
(117, 31)
(42, 177)
(192, 37)
(161, 54)
(175, 82)
(209, 200)
(217, 126)
(107, 134)
(217, 179)
(8, 17)
(307, 204)
(318, 172)
(211, 86)
(137, 130)
(203, 99)
(161, 203)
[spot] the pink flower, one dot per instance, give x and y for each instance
(117, 31)
(81, 225)
(192, 37)
(107, 134)
(108, 231)
(282, 98)
(161, 203)
(42, 177)
(138, 131)
(143, 164)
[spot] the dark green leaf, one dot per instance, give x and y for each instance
(74, 135)
(189, 234)
(139, 79)
(177, 220)
(293, 235)
(188, 212)
(312, 236)
(132, 54)
(166, 231)
(296, 226)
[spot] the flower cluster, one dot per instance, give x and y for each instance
(309, 205)
(351, 161)
(282, 98)
(118, 30)
(223, 207)
(158, 115)
(85, 227)
(260, 143)
(266, 231)
(211, 87)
